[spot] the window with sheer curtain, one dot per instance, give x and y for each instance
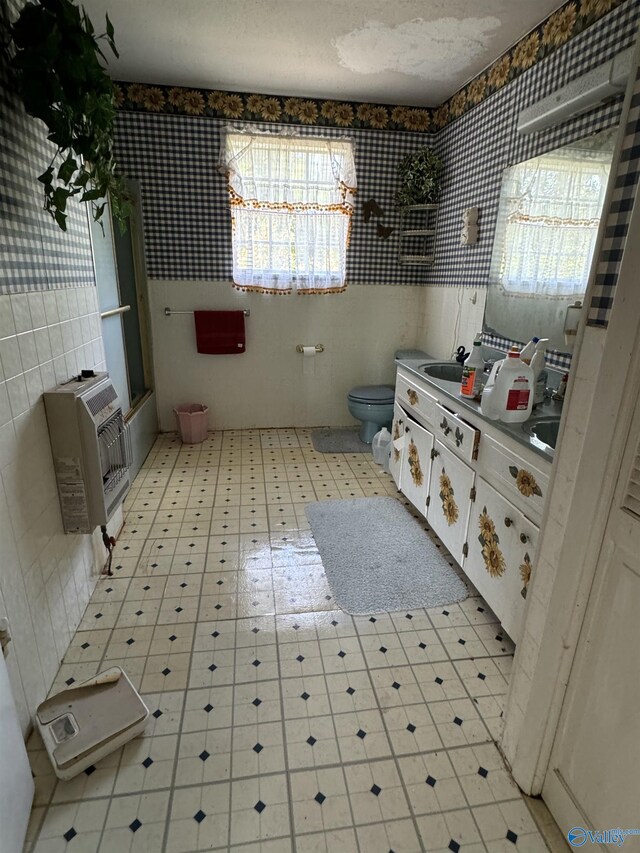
(291, 201)
(548, 222)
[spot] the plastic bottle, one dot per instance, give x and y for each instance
(508, 394)
(528, 350)
(562, 388)
(472, 371)
(380, 447)
(540, 375)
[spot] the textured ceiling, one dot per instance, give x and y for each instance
(415, 52)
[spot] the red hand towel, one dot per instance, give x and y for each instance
(220, 332)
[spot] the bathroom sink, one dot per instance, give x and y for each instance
(449, 371)
(545, 430)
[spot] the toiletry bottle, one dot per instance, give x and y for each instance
(540, 375)
(528, 350)
(559, 393)
(512, 398)
(472, 371)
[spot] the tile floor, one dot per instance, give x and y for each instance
(279, 723)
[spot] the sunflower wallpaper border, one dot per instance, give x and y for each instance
(556, 30)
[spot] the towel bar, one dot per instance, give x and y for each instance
(300, 348)
(169, 311)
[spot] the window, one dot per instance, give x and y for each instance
(291, 202)
(548, 221)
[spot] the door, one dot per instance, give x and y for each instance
(593, 779)
(16, 783)
(397, 444)
(449, 500)
(501, 556)
(416, 464)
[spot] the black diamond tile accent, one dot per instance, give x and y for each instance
(296, 627)
(445, 612)
(395, 685)
(422, 645)
(457, 721)
(454, 846)
(257, 701)
(178, 609)
(147, 762)
(255, 630)
(257, 662)
(166, 670)
(361, 734)
(218, 607)
(511, 836)
(98, 616)
(372, 619)
(130, 641)
(431, 781)
(212, 667)
(208, 708)
(300, 658)
(139, 612)
(411, 728)
(204, 755)
(408, 616)
(146, 588)
(157, 713)
(69, 681)
(482, 772)
(342, 654)
(199, 816)
(462, 642)
(311, 740)
(89, 770)
(135, 825)
(304, 696)
(376, 790)
(481, 676)
(85, 645)
(334, 623)
(172, 638)
(258, 748)
(182, 585)
(383, 649)
(259, 806)
(320, 798)
(70, 834)
(215, 635)
(438, 680)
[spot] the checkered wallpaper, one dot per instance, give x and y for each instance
(34, 253)
(479, 146)
(185, 207)
(625, 191)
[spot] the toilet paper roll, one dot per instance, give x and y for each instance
(308, 361)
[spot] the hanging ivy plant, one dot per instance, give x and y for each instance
(419, 178)
(61, 80)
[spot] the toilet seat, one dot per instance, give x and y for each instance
(373, 395)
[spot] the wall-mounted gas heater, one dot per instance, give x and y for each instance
(91, 449)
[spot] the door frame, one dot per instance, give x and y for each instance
(600, 403)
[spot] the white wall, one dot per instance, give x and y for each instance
(450, 316)
(46, 578)
(267, 386)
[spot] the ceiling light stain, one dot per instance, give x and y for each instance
(427, 49)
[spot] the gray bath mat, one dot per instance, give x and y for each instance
(338, 441)
(378, 558)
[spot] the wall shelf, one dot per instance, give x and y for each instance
(417, 234)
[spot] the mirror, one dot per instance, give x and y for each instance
(547, 225)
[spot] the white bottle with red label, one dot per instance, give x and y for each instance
(511, 389)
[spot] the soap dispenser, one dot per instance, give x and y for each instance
(540, 375)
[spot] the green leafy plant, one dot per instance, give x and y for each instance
(61, 81)
(419, 178)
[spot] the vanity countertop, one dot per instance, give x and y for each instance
(549, 409)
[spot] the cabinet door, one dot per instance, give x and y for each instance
(450, 499)
(416, 464)
(396, 453)
(502, 545)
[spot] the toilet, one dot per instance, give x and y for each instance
(373, 404)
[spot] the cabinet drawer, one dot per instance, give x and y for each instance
(525, 485)
(414, 398)
(456, 433)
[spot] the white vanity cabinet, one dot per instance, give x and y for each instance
(501, 549)
(416, 464)
(449, 501)
(481, 490)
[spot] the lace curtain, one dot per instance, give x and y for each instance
(291, 202)
(548, 222)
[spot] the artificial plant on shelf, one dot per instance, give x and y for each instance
(419, 178)
(59, 75)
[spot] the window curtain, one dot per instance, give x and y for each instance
(291, 201)
(548, 222)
